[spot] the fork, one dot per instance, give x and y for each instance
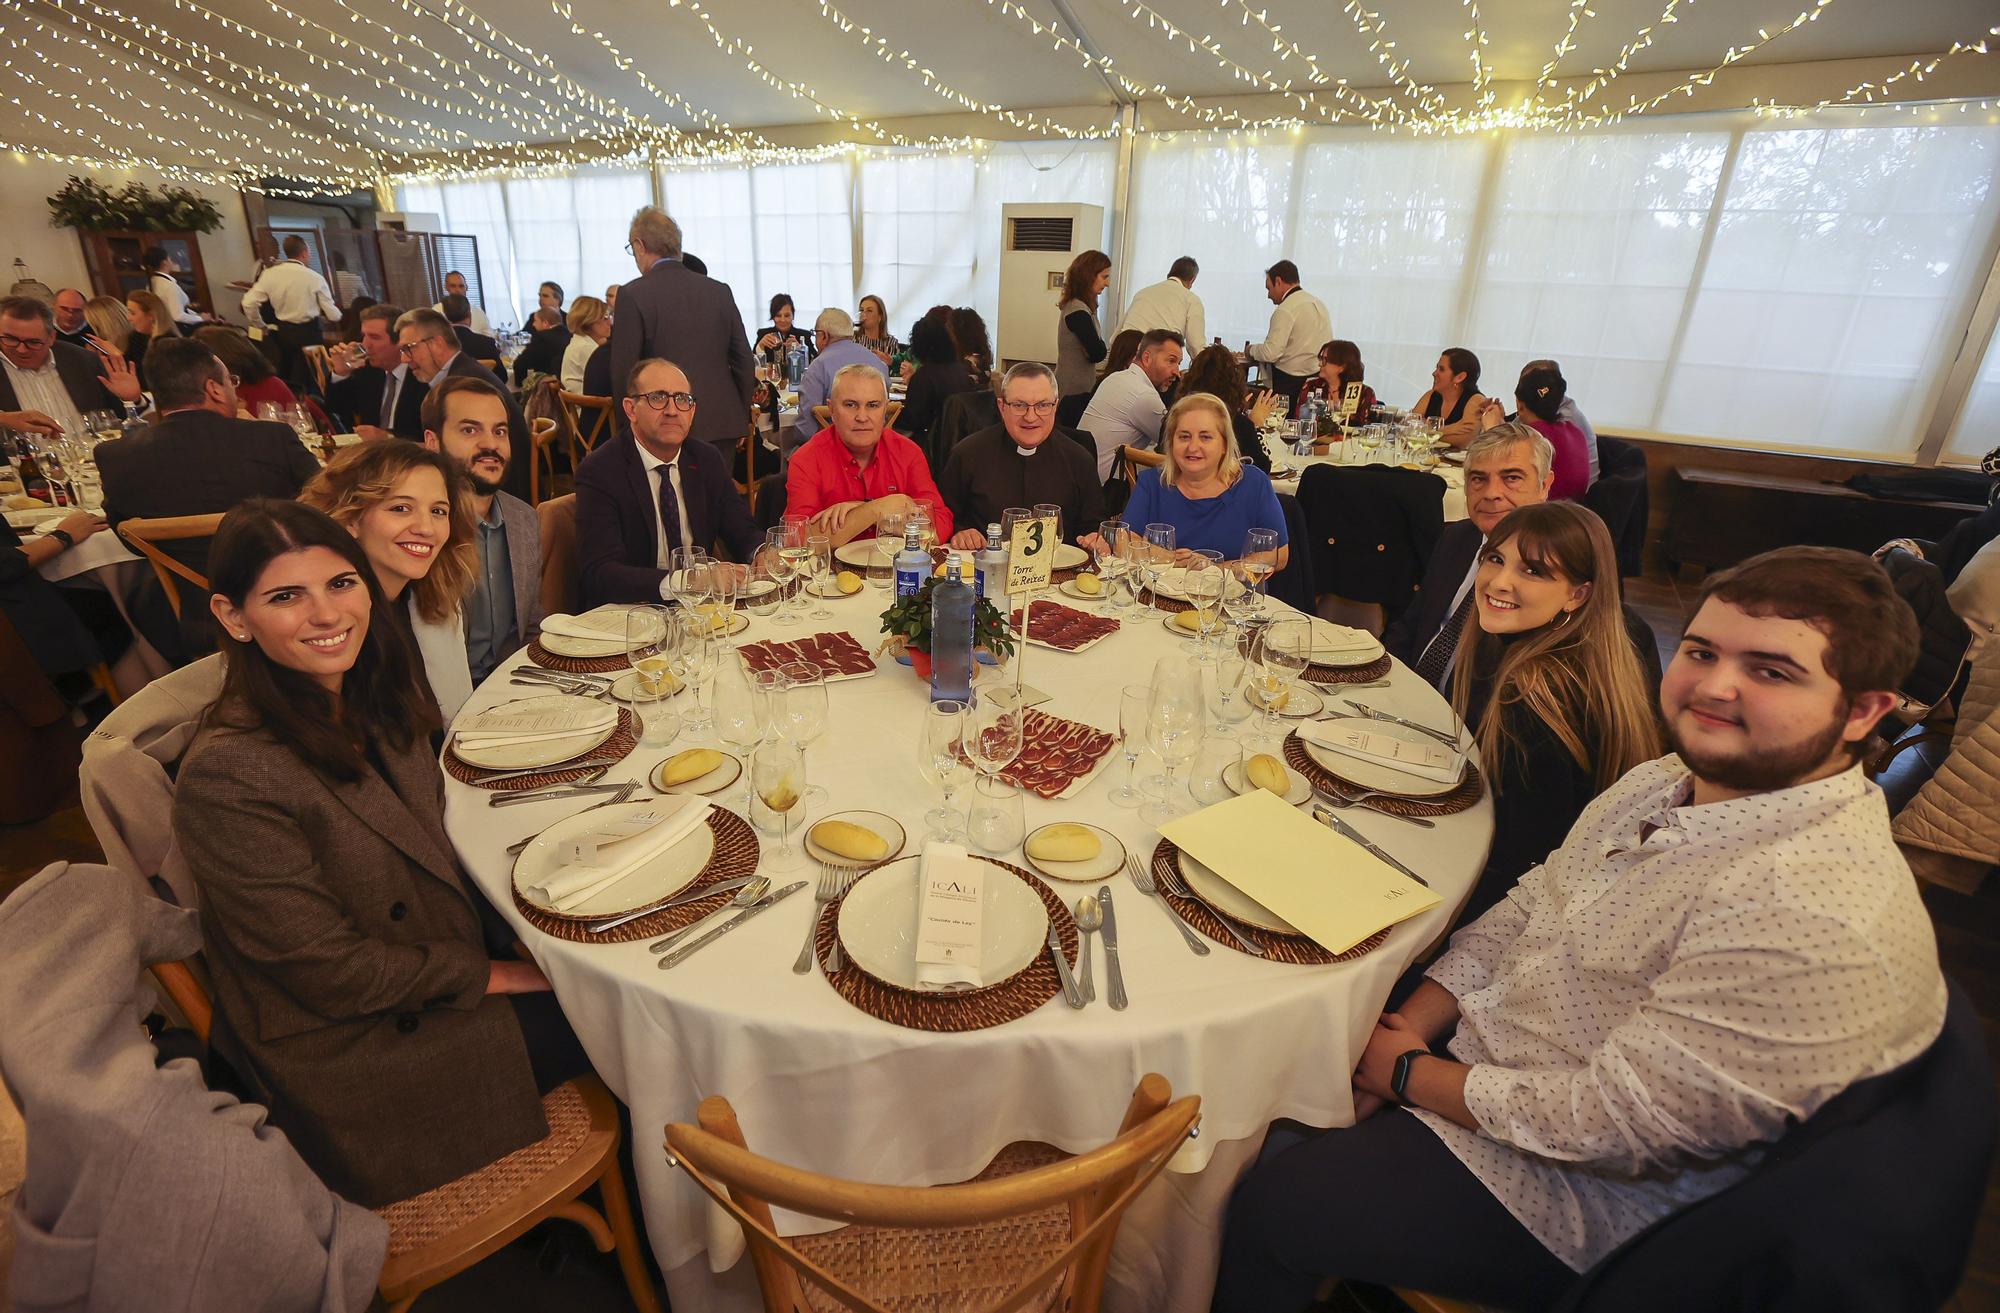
(828, 889)
(1335, 798)
(745, 896)
(624, 792)
(1143, 881)
(586, 764)
(1178, 887)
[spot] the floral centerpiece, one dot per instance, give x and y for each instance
(906, 627)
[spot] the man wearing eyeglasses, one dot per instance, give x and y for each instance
(59, 380)
(426, 340)
(649, 491)
(1021, 461)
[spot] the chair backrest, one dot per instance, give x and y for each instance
(821, 417)
(493, 365)
(143, 534)
(1096, 1187)
(576, 403)
(316, 359)
(559, 564)
(1133, 459)
(541, 441)
(1621, 500)
(961, 415)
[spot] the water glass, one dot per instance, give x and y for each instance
(993, 734)
(649, 633)
(763, 587)
(821, 544)
(1213, 761)
(997, 818)
(1276, 662)
(942, 759)
(881, 563)
(659, 723)
(1174, 716)
(1205, 584)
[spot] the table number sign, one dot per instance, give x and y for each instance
(1031, 555)
(1350, 401)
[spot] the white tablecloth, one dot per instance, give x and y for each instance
(822, 1085)
(100, 549)
(1453, 476)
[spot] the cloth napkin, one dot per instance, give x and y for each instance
(594, 626)
(571, 886)
(949, 937)
(497, 730)
(1426, 760)
(1330, 639)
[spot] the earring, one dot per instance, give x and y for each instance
(1562, 618)
(241, 638)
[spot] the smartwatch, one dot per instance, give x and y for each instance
(1399, 1075)
(62, 536)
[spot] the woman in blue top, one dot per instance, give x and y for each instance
(1205, 490)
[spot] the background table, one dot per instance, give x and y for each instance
(1453, 476)
(827, 1087)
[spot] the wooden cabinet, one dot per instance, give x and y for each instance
(113, 261)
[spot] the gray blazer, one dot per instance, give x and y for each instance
(349, 966)
(524, 552)
(689, 318)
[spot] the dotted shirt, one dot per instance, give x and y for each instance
(1675, 985)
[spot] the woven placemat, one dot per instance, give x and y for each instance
(1347, 674)
(548, 660)
(1171, 605)
(1444, 804)
(1016, 996)
(735, 856)
(1294, 949)
(620, 745)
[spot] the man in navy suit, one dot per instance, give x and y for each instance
(650, 490)
(380, 398)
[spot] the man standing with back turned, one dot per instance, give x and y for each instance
(672, 313)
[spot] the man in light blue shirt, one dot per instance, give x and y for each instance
(833, 332)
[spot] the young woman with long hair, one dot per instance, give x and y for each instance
(968, 330)
(1079, 343)
(871, 328)
(112, 326)
(1216, 371)
(150, 317)
(1551, 683)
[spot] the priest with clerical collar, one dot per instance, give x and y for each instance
(1021, 461)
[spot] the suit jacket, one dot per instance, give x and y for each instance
(1418, 625)
(357, 399)
(477, 345)
(524, 552)
(349, 965)
(520, 443)
(688, 318)
(618, 517)
(80, 371)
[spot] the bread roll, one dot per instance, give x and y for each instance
(1089, 585)
(850, 840)
(1064, 843)
(689, 765)
(1188, 620)
(848, 582)
(1267, 772)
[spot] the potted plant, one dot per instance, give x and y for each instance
(906, 627)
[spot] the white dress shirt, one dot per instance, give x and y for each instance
(1127, 411)
(575, 356)
(297, 294)
(1168, 304)
(479, 323)
(174, 297)
(657, 469)
(42, 389)
(1299, 328)
(1676, 984)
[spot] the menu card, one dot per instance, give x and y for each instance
(1335, 891)
(951, 900)
(1423, 757)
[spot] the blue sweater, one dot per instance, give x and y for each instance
(1218, 523)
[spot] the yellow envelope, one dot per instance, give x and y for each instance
(1322, 882)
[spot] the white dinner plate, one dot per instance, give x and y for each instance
(878, 924)
(1172, 628)
(1068, 588)
(542, 752)
(1303, 704)
(612, 644)
(1069, 556)
(714, 782)
(1173, 583)
(660, 877)
(1335, 645)
(1231, 901)
(888, 827)
(1110, 859)
(858, 554)
(1373, 774)
(1298, 792)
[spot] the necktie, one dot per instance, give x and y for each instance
(389, 402)
(1437, 657)
(670, 512)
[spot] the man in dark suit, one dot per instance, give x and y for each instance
(650, 490)
(425, 339)
(198, 458)
(458, 309)
(61, 381)
(382, 398)
(671, 312)
(1505, 467)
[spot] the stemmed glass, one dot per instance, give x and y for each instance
(993, 734)
(1105, 554)
(821, 544)
(737, 722)
(1277, 660)
(764, 585)
(1259, 560)
(778, 564)
(686, 579)
(1133, 700)
(804, 708)
(778, 775)
(1173, 728)
(796, 549)
(1205, 583)
(941, 756)
(693, 660)
(302, 424)
(1157, 556)
(1223, 684)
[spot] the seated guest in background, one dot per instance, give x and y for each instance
(352, 975)
(781, 332)
(648, 491)
(1558, 685)
(160, 267)
(349, 327)
(105, 319)
(428, 343)
(1205, 490)
(548, 339)
(1569, 412)
(59, 380)
(834, 349)
(466, 420)
(380, 398)
(1339, 365)
(1079, 343)
(1127, 410)
(1124, 349)
(968, 330)
(872, 329)
(1540, 395)
(940, 374)
(1504, 468)
(410, 509)
(856, 469)
(197, 458)
(455, 285)
(549, 296)
(480, 346)
(257, 383)
(1726, 940)
(149, 318)
(72, 318)
(1216, 371)
(611, 298)
(589, 328)
(1454, 396)
(1017, 463)
(597, 374)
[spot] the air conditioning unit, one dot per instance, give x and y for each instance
(1037, 242)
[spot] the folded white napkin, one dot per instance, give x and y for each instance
(572, 885)
(1425, 759)
(951, 901)
(1329, 639)
(595, 626)
(588, 716)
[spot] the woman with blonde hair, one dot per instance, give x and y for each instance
(1205, 490)
(590, 328)
(871, 328)
(1079, 344)
(110, 325)
(150, 317)
(1556, 682)
(411, 511)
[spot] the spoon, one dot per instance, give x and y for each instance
(749, 894)
(1089, 916)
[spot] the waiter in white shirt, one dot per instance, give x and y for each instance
(454, 285)
(300, 299)
(1299, 327)
(1170, 304)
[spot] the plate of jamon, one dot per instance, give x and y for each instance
(836, 654)
(1064, 628)
(1058, 757)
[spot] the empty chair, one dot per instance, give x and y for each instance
(1620, 499)
(559, 566)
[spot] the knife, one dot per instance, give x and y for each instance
(1114, 979)
(578, 790)
(724, 887)
(682, 953)
(1071, 994)
(1342, 827)
(1449, 740)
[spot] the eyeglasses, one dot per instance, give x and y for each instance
(1021, 409)
(407, 349)
(681, 401)
(629, 250)
(12, 343)
(235, 380)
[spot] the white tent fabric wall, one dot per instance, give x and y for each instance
(1976, 431)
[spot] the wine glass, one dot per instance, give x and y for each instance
(1132, 703)
(302, 424)
(1110, 564)
(764, 585)
(1224, 686)
(783, 556)
(736, 719)
(993, 734)
(1277, 660)
(1259, 560)
(803, 704)
(820, 542)
(1372, 437)
(1047, 510)
(942, 759)
(1173, 728)
(1205, 582)
(778, 776)
(1158, 555)
(685, 580)
(799, 559)
(693, 660)
(649, 642)
(272, 411)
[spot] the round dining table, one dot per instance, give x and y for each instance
(822, 1085)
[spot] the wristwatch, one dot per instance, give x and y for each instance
(1399, 1075)
(62, 536)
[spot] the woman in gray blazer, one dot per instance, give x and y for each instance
(346, 949)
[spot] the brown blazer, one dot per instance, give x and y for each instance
(349, 967)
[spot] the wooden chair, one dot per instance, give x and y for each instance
(1134, 459)
(541, 437)
(1033, 1230)
(746, 447)
(559, 564)
(142, 535)
(316, 361)
(576, 403)
(493, 365)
